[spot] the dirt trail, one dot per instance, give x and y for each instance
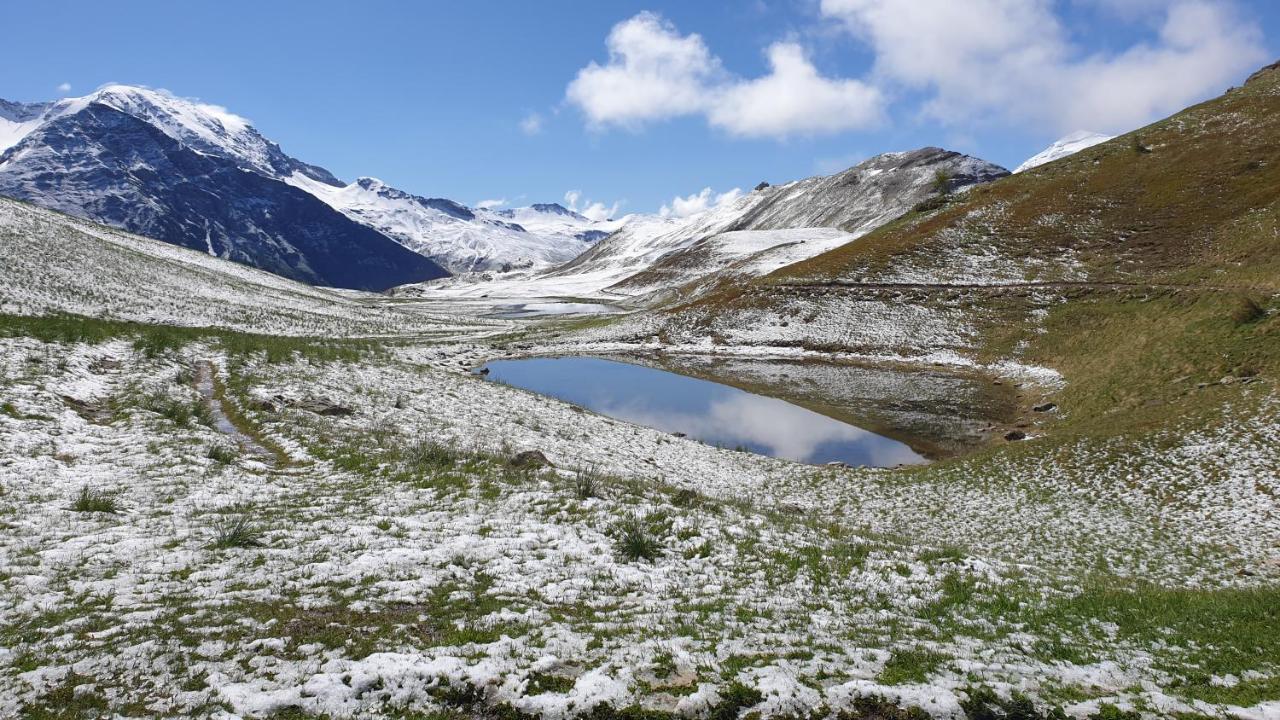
(205, 384)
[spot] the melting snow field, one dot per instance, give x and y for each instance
(404, 558)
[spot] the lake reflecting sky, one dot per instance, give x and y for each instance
(711, 412)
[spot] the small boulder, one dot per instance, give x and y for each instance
(1047, 407)
(1013, 435)
(266, 405)
(325, 407)
(530, 459)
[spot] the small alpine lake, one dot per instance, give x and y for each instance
(711, 412)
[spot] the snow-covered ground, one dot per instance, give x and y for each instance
(381, 575)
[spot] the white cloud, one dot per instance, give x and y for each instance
(793, 98)
(531, 124)
(1014, 61)
(698, 202)
(589, 209)
(655, 73)
(64, 88)
(491, 204)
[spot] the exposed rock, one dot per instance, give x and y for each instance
(1263, 71)
(1046, 407)
(87, 410)
(1015, 435)
(530, 459)
(324, 407)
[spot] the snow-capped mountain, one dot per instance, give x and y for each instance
(460, 238)
(857, 201)
(197, 176)
(650, 254)
(200, 176)
(1064, 146)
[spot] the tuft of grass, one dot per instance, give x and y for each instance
(635, 539)
(429, 456)
(586, 483)
(221, 453)
(1247, 310)
(90, 500)
(180, 412)
(735, 698)
(236, 530)
(910, 665)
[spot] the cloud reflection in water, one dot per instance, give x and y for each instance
(710, 412)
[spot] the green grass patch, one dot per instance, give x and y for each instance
(910, 665)
(96, 501)
(156, 340)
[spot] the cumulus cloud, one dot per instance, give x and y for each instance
(655, 73)
(698, 202)
(64, 88)
(531, 124)
(591, 210)
(1014, 61)
(794, 99)
(491, 204)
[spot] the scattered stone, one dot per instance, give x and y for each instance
(1047, 407)
(267, 405)
(678, 434)
(838, 464)
(483, 371)
(103, 365)
(87, 410)
(530, 459)
(325, 407)
(1015, 435)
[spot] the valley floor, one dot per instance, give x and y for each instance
(390, 555)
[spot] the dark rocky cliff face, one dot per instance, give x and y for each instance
(109, 166)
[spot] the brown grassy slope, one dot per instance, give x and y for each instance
(1191, 199)
(1175, 229)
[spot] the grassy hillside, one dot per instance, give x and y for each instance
(1144, 270)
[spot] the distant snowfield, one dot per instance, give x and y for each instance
(649, 257)
(1064, 147)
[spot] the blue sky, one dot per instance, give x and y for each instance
(634, 103)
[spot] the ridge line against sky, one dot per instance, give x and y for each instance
(632, 107)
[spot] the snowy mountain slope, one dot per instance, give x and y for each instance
(460, 238)
(56, 263)
(649, 254)
(734, 254)
(99, 162)
(17, 120)
(855, 201)
(1064, 146)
